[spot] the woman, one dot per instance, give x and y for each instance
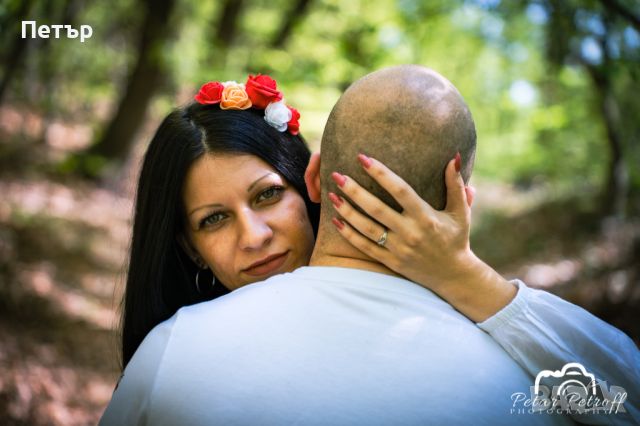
(165, 271)
(239, 144)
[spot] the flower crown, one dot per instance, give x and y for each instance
(259, 92)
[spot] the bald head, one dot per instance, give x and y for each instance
(409, 117)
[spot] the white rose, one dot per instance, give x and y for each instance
(233, 82)
(277, 115)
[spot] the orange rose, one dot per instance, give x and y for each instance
(234, 97)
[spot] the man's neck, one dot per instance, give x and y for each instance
(341, 254)
(346, 262)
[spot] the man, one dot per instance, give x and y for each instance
(345, 340)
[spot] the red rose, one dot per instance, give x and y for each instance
(293, 124)
(262, 90)
(210, 93)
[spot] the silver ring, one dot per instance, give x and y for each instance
(383, 238)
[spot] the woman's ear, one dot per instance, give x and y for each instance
(312, 177)
(184, 243)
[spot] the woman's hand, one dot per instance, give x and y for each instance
(427, 246)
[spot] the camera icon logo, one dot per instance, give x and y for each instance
(572, 372)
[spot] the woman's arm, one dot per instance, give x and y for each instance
(539, 330)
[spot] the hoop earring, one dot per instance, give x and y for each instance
(213, 281)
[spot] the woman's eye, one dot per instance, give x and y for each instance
(270, 193)
(212, 219)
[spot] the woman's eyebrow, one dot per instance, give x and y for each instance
(255, 182)
(202, 207)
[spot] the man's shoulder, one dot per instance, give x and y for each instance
(318, 291)
(314, 283)
(249, 296)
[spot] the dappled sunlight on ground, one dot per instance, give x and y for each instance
(95, 207)
(58, 135)
(37, 388)
(62, 250)
(14, 121)
(549, 275)
(603, 253)
(562, 246)
(73, 303)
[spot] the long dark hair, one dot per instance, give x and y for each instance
(161, 276)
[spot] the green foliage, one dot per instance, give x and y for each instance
(520, 65)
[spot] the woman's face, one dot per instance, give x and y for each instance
(244, 219)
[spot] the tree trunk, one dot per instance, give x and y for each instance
(18, 49)
(296, 15)
(63, 12)
(223, 32)
(147, 75)
(615, 191)
(620, 9)
(227, 25)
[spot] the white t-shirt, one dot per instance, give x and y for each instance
(322, 346)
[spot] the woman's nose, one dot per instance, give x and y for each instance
(254, 231)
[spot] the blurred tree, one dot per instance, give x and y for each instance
(147, 75)
(619, 8)
(488, 48)
(16, 12)
(223, 31)
(226, 28)
(591, 35)
(300, 7)
(64, 12)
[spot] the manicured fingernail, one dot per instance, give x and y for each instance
(458, 163)
(336, 200)
(338, 179)
(364, 160)
(338, 223)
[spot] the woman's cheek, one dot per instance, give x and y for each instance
(303, 223)
(219, 257)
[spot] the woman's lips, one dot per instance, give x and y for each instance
(271, 264)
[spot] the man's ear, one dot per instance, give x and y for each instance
(184, 243)
(312, 177)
